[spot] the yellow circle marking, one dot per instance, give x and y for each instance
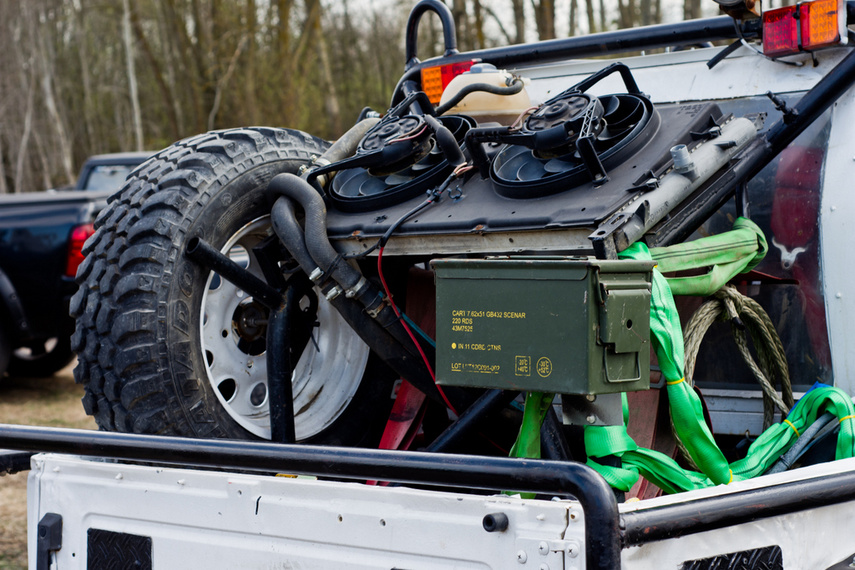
(544, 367)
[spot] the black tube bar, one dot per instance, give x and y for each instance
(602, 539)
(700, 515)
(760, 152)
(280, 396)
(805, 112)
(619, 41)
(449, 33)
(203, 253)
(489, 401)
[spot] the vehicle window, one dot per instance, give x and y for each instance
(784, 202)
(107, 177)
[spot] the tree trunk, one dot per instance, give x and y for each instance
(170, 104)
(461, 27)
(478, 13)
(603, 26)
(29, 89)
(589, 11)
(574, 16)
(132, 75)
(519, 21)
(250, 103)
(545, 11)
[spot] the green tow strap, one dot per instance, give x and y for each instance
(731, 253)
(528, 441)
(727, 254)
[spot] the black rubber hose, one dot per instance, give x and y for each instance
(385, 334)
(786, 460)
(446, 142)
(317, 241)
(285, 225)
(511, 89)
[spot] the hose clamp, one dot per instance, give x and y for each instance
(316, 275)
(356, 289)
(333, 293)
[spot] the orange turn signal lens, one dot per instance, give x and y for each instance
(819, 23)
(436, 79)
(805, 26)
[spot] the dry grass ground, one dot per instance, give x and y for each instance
(53, 402)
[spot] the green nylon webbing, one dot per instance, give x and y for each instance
(528, 441)
(727, 254)
(666, 336)
(666, 474)
(685, 405)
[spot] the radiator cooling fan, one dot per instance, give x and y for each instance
(408, 172)
(578, 136)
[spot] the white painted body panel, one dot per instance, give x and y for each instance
(219, 520)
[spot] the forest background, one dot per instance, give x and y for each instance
(82, 77)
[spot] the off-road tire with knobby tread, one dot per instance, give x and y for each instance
(137, 333)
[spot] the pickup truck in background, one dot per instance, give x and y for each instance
(41, 234)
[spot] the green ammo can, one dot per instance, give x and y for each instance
(567, 325)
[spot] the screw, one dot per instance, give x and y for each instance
(591, 419)
(572, 549)
(591, 397)
(522, 557)
(543, 548)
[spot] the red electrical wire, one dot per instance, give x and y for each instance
(409, 331)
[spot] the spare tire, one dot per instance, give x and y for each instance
(166, 346)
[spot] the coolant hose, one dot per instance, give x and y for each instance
(285, 225)
(511, 89)
(385, 336)
(317, 242)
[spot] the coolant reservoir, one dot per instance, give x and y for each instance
(483, 106)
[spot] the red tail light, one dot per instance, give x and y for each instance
(436, 79)
(780, 31)
(805, 26)
(79, 235)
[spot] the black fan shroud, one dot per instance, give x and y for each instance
(629, 122)
(363, 190)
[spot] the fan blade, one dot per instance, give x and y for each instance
(513, 162)
(625, 115)
(558, 165)
(372, 186)
(399, 178)
(347, 183)
(531, 170)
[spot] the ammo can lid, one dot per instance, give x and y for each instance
(535, 267)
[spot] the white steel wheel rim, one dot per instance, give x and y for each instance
(326, 376)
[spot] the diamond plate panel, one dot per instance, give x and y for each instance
(108, 550)
(768, 558)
